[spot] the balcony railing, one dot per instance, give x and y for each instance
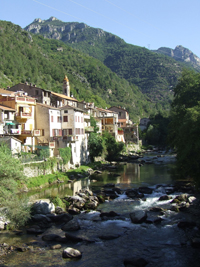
(70, 138)
(24, 115)
(15, 131)
(27, 132)
(89, 129)
(25, 99)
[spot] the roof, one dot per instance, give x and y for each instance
(46, 106)
(6, 138)
(3, 91)
(29, 85)
(106, 110)
(6, 108)
(42, 140)
(71, 107)
(64, 96)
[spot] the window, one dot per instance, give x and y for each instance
(65, 111)
(70, 131)
(36, 92)
(65, 118)
(120, 114)
(77, 131)
(51, 118)
(60, 132)
(78, 119)
(75, 118)
(65, 132)
(58, 119)
(81, 119)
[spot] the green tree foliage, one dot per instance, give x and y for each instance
(95, 143)
(65, 154)
(39, 62)
(185, 124)
(93, 123)
(11, 177)
(157, 131)
(113, 148)
(153, 73)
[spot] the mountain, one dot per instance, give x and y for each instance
(155, 74)
(44, 62)
(181, 54)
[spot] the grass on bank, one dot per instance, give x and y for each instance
(51, 178)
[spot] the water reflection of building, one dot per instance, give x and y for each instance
(80, 184)
(130, 174)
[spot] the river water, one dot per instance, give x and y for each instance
(160, 244)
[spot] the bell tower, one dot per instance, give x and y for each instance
(66, 87)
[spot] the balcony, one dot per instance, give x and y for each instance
(70, 138)
(27, 132)
(23, 115)
(15, 131)
(25, 99)
(86, 116)
(89, 129)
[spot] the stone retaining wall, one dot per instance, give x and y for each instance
(34, 169)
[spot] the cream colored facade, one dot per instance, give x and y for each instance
(25, 116)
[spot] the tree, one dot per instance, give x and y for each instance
(113, 148)
(95, 144)
(185, 124)
(11, 178)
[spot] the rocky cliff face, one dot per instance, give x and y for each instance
(56, 29)
(180, 53)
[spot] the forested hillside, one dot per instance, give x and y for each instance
(154, 74)
(32, 58)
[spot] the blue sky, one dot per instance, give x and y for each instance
(151, 24)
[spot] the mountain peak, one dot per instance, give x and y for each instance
(180, 53)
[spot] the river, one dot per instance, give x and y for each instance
(160, 244)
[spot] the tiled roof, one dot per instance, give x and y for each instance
(64, 96)
(106, 110)
(3, 91)
(46, 106)
(6, 108)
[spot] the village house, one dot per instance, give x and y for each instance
(8, 125)
(24, 116)
(131, 134)
(123, 116)
(13, 143)
(74, 136)
(41, 95)
(49, 130)
(109, 121)
(55, 120)
(143, 123)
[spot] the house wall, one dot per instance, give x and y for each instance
(55, 123)
(40, 94)
(42, 120)
(15, 146)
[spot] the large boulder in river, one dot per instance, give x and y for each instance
(138, 216)
(43, 206)
(71, 253)
(164, 197)
(145, 190)
(72, 225)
